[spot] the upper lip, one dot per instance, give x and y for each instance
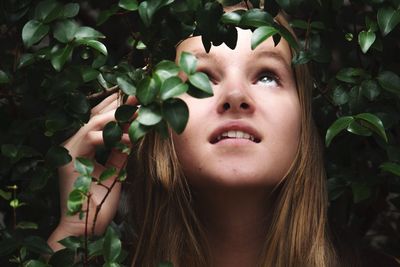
(235, 126)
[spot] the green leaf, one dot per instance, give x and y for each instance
(187, 62)
(26, 60)
(48, 10)
(147, 90)
(233, 17)
(63, 258)
(14, 203)
(370, 89)
(256, 18)
(111, 264)
(61, 56)
(112, 134)
(391, 167)
(107, 173)
(149, 115)
(146, 13)
(88, 73)
(287, 35)
(366, 39)
(388, 18)
(340, 95)
(356, 128)
(389, 81)
(124, 113)
(33, 32)
(57, 156)
(261, 34)
(84, 166)
(172, 87)
(126, 86)
(373, 123)
(165, 264)
(5, 195)
(37, 244)
(130, 5)
(75, 201)
(111, 245)
(104, 15)
(93, 44)
(27, 225)
(200, 80)
(336, 127)
(64, 31)
(176, 113)
(9, 150)
(4, 78)
(71, 242)
(70, 10)
(350, 75)
(82, 183)
(36, 263)
(166, 69)
(137, 131)
(88, 33)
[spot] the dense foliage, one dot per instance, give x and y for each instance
(59, 58)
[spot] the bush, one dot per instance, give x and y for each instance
(59, 58)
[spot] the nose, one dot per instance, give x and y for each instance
(235, 100)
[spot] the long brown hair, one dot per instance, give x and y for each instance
(165, 223)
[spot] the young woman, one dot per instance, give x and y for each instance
(243, 185)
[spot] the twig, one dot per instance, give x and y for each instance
(104, 93)
(86, 259)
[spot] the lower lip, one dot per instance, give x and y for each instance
(234, 141)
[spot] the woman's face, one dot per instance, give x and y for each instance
(247, 134)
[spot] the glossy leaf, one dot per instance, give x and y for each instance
(35, 263)
(126, 86)
(233, 17)
(33, 32)
(261, 34)
(107, 174)
(370, 89)
(137, 131)
(75, 201)
(391, 167)
(111, 245)
(166, 69)
(187, 62)
(37, 244)
(336, 127)
(64, 31)
(71, 242)
(124, 113)
(130, 5)
(176, 113)
(200, 80)
(147, 90)
(26, 225)
(388, 18)
(374, 123)
(84, 166)
(93, 44)
(57, 156)
(256, 18)
(389, 81)
(172, 87)
(112, 134)
(88, 32)
(350, 75)
(366, 39)
(340, 95)
(149, 115)
(70, 10)
(48, 10)
(59, 58)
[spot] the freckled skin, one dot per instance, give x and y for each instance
(270, 106)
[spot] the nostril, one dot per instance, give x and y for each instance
(226, 106)
(244, 106)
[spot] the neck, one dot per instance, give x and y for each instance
(235, 223)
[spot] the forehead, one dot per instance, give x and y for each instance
(281, 52)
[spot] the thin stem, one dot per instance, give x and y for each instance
(104, 93)
(86, 261)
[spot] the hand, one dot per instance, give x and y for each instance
(83, 144)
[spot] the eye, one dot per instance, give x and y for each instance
(210, 76)
(268, 79)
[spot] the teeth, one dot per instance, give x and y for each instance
(235, 134)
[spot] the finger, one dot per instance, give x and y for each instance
(98, 121)
(104, 103)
